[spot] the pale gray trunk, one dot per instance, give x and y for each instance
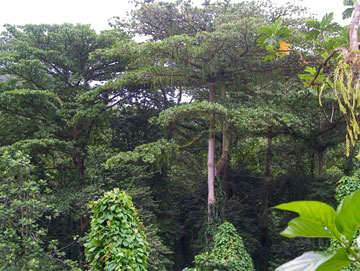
(354, 27)
(211, 158)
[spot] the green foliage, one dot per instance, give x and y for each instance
(320, 261)
(116, 241)
(346, 88)
(348, 217)
(317, 219)
(228, 253)
(324, 27)
(24, 212)
(192, 109)
(346, 186)
(326, 35)
(273, 33)
(157, 153)
(45, 112)
(60, 82)
(137, 180)
(348, 12)
(310, 74)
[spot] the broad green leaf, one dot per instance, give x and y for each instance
(311, 70)
(327, 19)
(347, 13)
(265, 30)
(270, 48)
(312, 23)
(336, 262)
(305, 228)
(277, 24)
(96, 242)
(269, 57)
(312, 34)
(348, 215)
(316, 219)
(317, 261)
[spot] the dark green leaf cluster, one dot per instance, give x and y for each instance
(157, 153)
(197, 109)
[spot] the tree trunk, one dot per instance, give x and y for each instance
(220, 170)
(320, 153)
(312, 165)
(267, 178)
(265, 242)
(79, 162)
(354, 27)
(320, 162)
(211, 159)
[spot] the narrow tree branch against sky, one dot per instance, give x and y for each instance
(97, 13)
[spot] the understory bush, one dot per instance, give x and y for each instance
(228, 254)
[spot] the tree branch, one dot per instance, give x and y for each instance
(323, 64)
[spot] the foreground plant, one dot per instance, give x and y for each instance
(317, 219)
(228, 253)
(116, 242)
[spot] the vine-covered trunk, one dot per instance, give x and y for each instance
(211, 159)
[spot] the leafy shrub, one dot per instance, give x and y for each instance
(24, 209)
(116, 241)
(228, 254)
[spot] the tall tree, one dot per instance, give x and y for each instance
(196, 51)
(48, 108)
(54, 72)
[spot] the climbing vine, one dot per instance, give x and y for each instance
(116, 241)
(228, 254)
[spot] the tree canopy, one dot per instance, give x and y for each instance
(182, 142)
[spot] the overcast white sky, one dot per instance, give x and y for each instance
(97, 12)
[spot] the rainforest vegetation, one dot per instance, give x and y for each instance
(165, 143)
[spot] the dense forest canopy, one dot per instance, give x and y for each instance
(168, 154)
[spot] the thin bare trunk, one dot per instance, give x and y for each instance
(211, 158)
